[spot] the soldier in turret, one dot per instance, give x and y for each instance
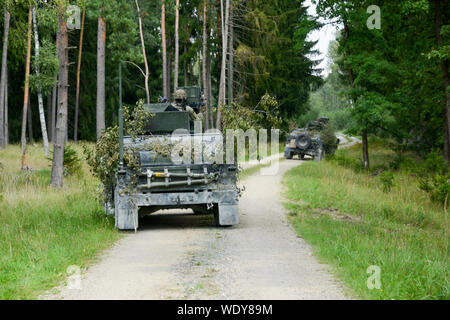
(179, 103)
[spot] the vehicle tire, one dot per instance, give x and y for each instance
(319, 154)
(303, 141)
(301, 156)
(288, 154)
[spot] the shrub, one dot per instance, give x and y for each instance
(72, 162)
(387, 180)
(435, 177)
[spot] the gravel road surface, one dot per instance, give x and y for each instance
(177, 255)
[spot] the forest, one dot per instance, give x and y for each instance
(391, 81)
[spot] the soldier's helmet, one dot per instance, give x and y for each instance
(180, 95)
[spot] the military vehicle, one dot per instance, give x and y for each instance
(310, 141)
(197, 181)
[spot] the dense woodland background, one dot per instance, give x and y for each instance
(392, 82)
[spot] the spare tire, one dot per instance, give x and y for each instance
(303, 141)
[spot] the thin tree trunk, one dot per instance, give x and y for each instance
(365, 150)
(39, 85)
(231, 60)
(177, 44)
(30, 122)
(101, 51)
(3, 85)
(204, 60)
(185, 66)
(61, 125)
(209, 98)
(222, 84)
(49, 117)
(77, 97)
(26, 91)
(54, 102)
(169, 72)
(6, 109)
(164, 49)
(144, 54)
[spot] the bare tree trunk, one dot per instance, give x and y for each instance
(204, 60)
(77, 97)
(231, 60)
(185, 67)
(222, 84)
(61, 125)
(365, 150)
(39, 85)
(54, 107)
(177, 44)
(209, 98)
(26, 91)
(144, 54)
(164, 49)
(6, 109)
(169, 71)
(30, 122)
(49, 117)
(3, 84)
(101, 51)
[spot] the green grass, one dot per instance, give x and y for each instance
(43, 231)
(352, 224)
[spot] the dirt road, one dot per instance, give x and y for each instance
(184, 257)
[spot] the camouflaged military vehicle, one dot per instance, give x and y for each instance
(310, 141)
(169, 177)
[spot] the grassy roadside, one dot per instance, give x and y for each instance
(353, 224)
(43, 231)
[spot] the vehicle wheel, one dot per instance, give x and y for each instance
(303, 141)
(301, 156)
(320, 154)
(288, 155)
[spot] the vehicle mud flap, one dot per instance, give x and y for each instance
(227, 215)
(126, 213)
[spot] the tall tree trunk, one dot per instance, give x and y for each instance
(61, 125)
(26, 97)
(164, 49)
(6, 110)
(365, 150)
(169, 71)
(49, 117)
(101, 51)
(144, 54)
(185, 66)
(77, 96)
(3, 79)
(39, 85)
(54, 107)
(222, 84)
(204, 60)
(440, 20)
(209, 93)
(231, 60)
(177, 45)
(30, 122)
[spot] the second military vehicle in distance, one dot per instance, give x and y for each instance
(206, 185)
(311, 141)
